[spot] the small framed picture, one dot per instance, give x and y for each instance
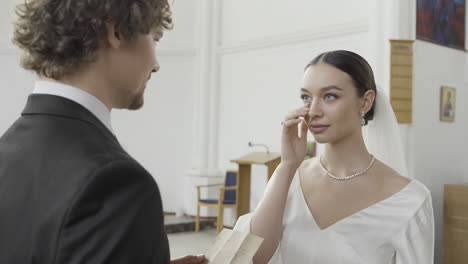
(447, 104)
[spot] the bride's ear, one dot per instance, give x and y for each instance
(367, 101)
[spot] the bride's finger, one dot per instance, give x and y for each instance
(301, 112)
(303, 131)
(291, 123)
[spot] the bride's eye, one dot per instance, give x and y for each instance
(330, 97)
(305, 98)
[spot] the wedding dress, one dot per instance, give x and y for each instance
(398, 230)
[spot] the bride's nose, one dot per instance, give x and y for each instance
(315, 109)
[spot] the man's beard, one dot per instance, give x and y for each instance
(137, 102)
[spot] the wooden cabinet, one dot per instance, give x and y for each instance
(455, 224)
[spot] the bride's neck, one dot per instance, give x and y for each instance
(347, 156)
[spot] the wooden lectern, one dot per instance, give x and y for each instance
(271, 160)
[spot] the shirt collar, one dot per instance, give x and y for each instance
(85, 99)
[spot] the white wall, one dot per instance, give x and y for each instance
(16, 85)
(245, 20)
(16, 82)
(439, 150)
(6, 22)
(158, 135)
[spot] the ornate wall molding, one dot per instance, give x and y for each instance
(178, 53)
(338, 30)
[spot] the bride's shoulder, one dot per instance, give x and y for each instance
(309, 166)
(306, 164)
(390, 178)
(397, 182)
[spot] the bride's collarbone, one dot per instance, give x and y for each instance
(330, 201)
(380, 181)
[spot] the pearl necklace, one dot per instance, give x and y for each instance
(346, 177)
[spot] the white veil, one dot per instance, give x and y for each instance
(382, 136)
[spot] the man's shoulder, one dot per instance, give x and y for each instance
(123, 171)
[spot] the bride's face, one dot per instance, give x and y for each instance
(335, 108)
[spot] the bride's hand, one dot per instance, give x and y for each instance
(293, 143)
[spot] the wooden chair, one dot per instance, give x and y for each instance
(228, 197)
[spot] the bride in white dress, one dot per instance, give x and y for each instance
(348, 205)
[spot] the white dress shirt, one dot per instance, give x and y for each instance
(77, 95)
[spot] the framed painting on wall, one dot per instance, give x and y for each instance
(441, 22)
(447, 104)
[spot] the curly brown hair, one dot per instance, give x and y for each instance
(59, 36)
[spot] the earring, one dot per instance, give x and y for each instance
(363, 120)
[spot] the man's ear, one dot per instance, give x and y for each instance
(114, 37)
(367, 101)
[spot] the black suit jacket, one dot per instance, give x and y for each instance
(70, 194)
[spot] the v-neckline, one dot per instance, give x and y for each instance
(351, 215)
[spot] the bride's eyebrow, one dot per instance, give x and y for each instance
(324, 89)
(331, 87)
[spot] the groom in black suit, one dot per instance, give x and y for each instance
(69, 193)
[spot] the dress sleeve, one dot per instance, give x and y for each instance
(415, 243)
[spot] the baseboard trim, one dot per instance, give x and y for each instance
(211, 218)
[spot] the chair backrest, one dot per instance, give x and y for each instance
(231, 180)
